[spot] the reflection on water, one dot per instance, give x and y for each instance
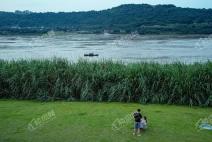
(126, 48)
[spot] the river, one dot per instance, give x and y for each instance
(125, 48)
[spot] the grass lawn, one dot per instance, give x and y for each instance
(92, 122)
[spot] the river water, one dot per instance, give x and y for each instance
(125, 48)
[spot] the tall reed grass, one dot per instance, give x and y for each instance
(57, 79)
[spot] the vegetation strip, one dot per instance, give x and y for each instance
(107, 81)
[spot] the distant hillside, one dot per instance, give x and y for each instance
(142, 18)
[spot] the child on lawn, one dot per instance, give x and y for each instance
(137, 126)
(144, 123)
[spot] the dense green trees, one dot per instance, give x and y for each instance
(145, 19)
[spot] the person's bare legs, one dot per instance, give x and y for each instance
(134, 131)
(139, 132)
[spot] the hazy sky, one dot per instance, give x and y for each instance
(85, 5)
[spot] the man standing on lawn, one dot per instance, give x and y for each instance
(137, 116)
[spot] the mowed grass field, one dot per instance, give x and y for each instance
(92, 122)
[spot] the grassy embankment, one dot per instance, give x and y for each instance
(92, 122)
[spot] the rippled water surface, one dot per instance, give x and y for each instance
(126, 48)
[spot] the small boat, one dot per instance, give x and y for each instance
(91, 55)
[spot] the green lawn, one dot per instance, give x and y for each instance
(92, 122)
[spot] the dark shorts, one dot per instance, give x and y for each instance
(137, 125)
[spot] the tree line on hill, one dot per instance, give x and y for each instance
(140, 18)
